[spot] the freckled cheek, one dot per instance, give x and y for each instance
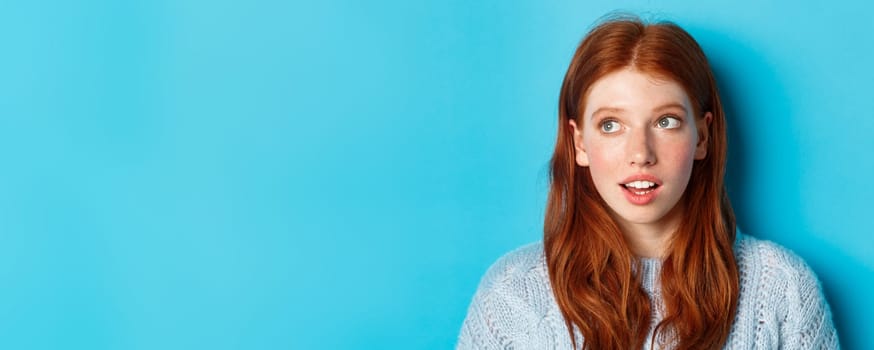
(678, 156)
(600, 150)
(605, 161)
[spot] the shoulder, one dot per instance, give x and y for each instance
(518, 282)
(765, 257)
(780, 291)
(518, 267)
(512, 299)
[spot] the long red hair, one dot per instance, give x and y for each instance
(591, 267)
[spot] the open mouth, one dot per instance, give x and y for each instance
(640, 187)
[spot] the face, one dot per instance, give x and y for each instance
(639, 138)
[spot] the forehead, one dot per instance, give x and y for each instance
(630, 89)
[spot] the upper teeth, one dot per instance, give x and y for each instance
(640, 184)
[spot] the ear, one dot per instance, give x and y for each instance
(581, 157)
(703, 134)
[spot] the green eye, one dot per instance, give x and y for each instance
(609, 126)
(669, 123)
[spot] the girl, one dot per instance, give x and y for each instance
(640, 248)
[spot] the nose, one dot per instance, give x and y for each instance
(639, 148)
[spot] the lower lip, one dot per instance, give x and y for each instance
(640, 199)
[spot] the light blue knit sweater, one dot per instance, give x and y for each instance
(781, 305)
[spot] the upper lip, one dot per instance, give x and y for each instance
(641, 177)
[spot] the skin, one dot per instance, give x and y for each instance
(634, 123)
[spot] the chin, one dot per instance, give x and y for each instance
(644, 217)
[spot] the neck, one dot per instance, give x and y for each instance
(651, 240)
(646, 242)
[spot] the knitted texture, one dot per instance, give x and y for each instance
(781, 305)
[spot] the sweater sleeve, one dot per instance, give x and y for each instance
(499, 314)
(807, 323)
(482, 327)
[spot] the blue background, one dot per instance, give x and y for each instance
(339, 174)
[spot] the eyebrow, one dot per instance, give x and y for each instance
(670, 105)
